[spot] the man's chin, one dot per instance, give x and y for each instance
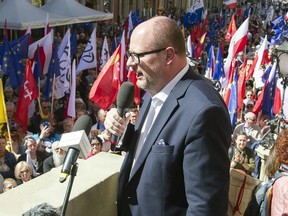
(141, 84)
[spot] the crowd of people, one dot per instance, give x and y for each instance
(201, 124)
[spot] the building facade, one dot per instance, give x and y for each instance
(121, 8)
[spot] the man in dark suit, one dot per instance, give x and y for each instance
(177, 153)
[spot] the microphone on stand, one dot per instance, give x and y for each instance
(83, 123)
(125, 99)
(69, 161)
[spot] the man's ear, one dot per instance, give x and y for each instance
(170, 54)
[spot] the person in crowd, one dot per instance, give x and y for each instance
(43, 113)
(134, 113)
(8, 184)
(9, 95)
(100, 123)
(33, 156)
(248, 106)
(241, 157)
(263, 123)
(56, 159)
(10, 110)
(80, 113)
(7, 160)
(23, 172)
(94, 113)
(16, 143)
(248, 97)
(279, 203)
(96, 146)
(47, 135)
(271, 164)
(250, 127)
(79, 104)
(68, 124)
(59, 107)
(43, 209)
(178, 141)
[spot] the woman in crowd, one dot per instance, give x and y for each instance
(241, 157)
(279, 204)
(32, 156)
(23, 172)
(96, 146)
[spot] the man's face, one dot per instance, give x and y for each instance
(241, 141)
(149, 71)
(10, 111)
(45, 108)
(58, 156)
(68, 126)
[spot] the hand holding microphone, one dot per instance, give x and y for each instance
(114, 121)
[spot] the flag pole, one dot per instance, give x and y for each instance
(38, 99)
(53, 91)
(10, 139)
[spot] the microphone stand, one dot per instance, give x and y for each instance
(69, 187)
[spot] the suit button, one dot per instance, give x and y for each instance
(129, 197)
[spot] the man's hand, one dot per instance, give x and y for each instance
(114, 123)
(45, 131)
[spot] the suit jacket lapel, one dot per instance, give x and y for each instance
(127, 163)
(143, 113)
(168, 107)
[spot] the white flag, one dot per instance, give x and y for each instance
(71, 104)
(196, 6)
(88, 59)
(105, 56)
(45, 42)
(130, 25)
(62, 82)
(123, 73)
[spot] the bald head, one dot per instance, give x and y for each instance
(157, 51)
(163, 32)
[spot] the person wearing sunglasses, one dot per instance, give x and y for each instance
(96, 146)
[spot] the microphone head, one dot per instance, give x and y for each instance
(83, 123)
(125, 95)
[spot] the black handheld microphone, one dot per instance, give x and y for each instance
(125, 99)
(69, 161)
(83, 123)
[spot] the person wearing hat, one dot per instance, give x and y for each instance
(249, 105)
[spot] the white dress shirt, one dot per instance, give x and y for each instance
(155, 107)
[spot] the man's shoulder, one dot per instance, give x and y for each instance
(48, 160)
(9, 156)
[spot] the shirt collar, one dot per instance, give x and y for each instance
(163, 94)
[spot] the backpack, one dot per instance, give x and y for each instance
(260, 203)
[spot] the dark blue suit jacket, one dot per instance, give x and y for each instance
(189, 175)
